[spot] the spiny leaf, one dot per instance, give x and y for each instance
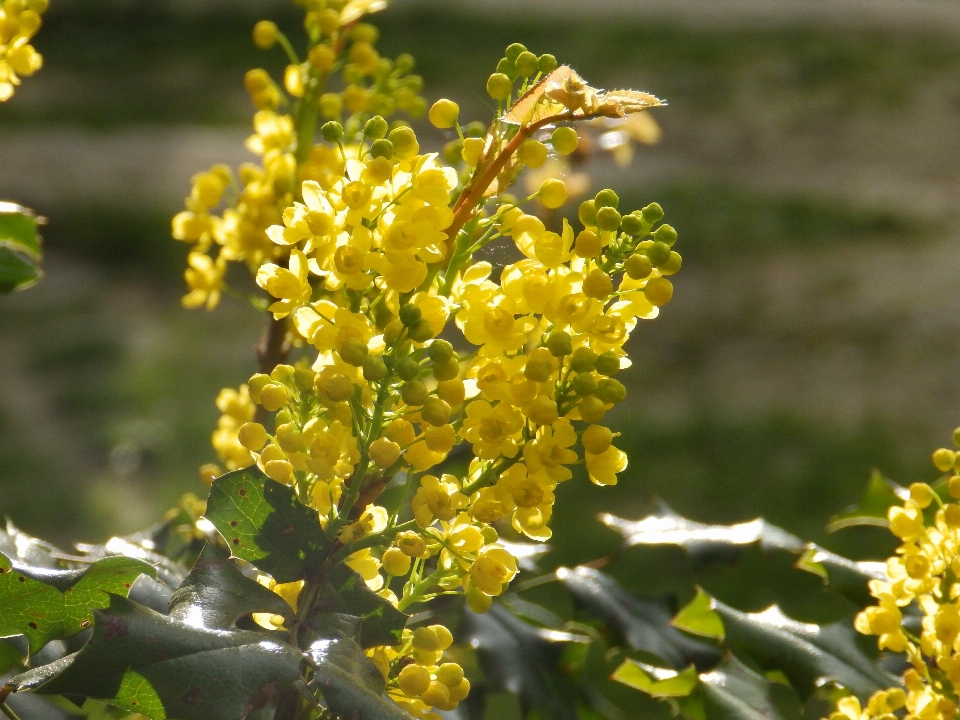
(44, 604)
(700, 618)
(732, 691)
(264, 524)
(644, 623)
(842, 574)
(881, 494)
(144, 662)
(350, 683)
(19, 247)
(216, 594)
(17, 545)
(523, 659)
(345, 592)
(655, 681)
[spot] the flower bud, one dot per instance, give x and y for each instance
(559, 344)
(353, 351)
(384, 453)
(943, 459)
(547, 63)
(440, 351)
(321, 57)
(499, 86)
(338, 387)
(565, 140)
(435, 411)
(436, 694)
(252, 436)
(540, 365)
(658, 291)
(553, 193)
(587, 213)
(424, 638)
(265, 34)
(607, 198)
(407, 368)
(922, 494)
(279, 470)
(652, 213)
(289, 438)
(410, 315)
(472, 150)
(329, 21)
(273, 397)
(533, 153)
(591, 409)
(414, 392)
(672, 265)
(584, 384)
(411, 544)
(951, 515)
(611, 391)
(477, 600)
(405, 144)
(447, 370)
(374, 368)
(421, 330)
(209, 472)
(453, 391)
(638, 266)
(953, 486)
(450, 674)
(608, 364)
(658, 253)
(506, 67)
(583, 359)
(588, 244)
(413, 679)
(375, 128)
(514, 50)
(598, 285)
(332, 131)
(608, 219)
(543, 410)
(256, 384)
(382, 148)
(596, 439)
(526, 63)
(444, 114)
(665, 234)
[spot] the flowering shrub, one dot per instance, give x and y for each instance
(392, 467)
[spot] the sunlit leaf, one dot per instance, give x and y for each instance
(658, 682)
(700, 618)
(881, 494)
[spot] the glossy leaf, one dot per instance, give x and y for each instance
(809, 655)
(263, 523)
(20, 252)
(842, 574)
(732, 691)
(644, 623)
(881, 494)
(144, 662)
(656, 682)
(350, 683)
(345, 592)
(700, 618)
(523, 659)
(17, 545)
(44, 604)
(216, 594)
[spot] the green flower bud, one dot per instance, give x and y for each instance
(421, 331)
(632, 225)
(382, 315)
(658, 253)
(611, 391)
(526, 63)
(499, 86)
(587, 244)
(565, 140)
(414, 392)
(587, 213)
(506, 67)
(410, 315)
(332, 131)
(607, 198)
(353, 352)
(440, 351)
(382, 148)
(407, 368)
(513, 51)
(584, 384)
(303, 379)
(339, 387)
(364, 32)
(547, 63)
(476, 129)
(608, 364)
(453, 151)
(583, 359)
(598, 285)
(375, 128)
(559, 344)
(608, 219)
(404, 141)
(666, 234)
(446, 370)
(652, 213)
(374, 368)
(672, 265)
(638, 266)
(405, 63)
(435, 411)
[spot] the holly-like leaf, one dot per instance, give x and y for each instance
(142, 547)
(345, 593)
(147, 663)
(350, 683)
(523, 660)
(264, 524)
(842, 574)
(809, 655)
(44, 604)
(17, 545)
(644, 623)
(216, 594)
(655, 681)
(881, 494)
(20, 252)
(699, 617)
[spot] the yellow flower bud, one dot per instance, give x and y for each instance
(256, 384)
(588, 244)
(293, 81)
(252, 436)
(540, 365)
(921, 494)
(444, 114)
(424, 638)
(598, 285)
(435, 411)
(411, 544)
(436, 694)
(405, 145)
(338, 387)
(273, 396)
(444, 637)
(453, 391)
(279, 470)
(414, 680)
(499, 86)
(460, 692)
(658, 292)
(543, 410)
(954, 486)
(450, 674)
(944, 459)
(289, 438)
(553, 193)
(321, 57)
(533, 153)
(384, 452)
(564, 140)
(638, 266)
(209, 472)
(472, 151)
(592, 409)
(395, 562)
(951, 515)
(596, 439)
(329, 21)
(265, 34)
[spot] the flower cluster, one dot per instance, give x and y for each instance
(398, 346)
(923, 575)
(19, 22)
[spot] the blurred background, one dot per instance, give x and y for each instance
(809, 160)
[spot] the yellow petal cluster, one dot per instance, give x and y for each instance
(19, 22)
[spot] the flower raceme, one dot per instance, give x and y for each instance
(407, 346)
(19, 22)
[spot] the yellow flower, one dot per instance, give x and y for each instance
(493, 568)
(290, 286)
(602, 468)
(906, 522)
(205, 279)
(494, 431)
(437, 499)
(550, 451)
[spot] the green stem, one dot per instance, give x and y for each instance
(490, 474)
(8, 712)
(371, 540)
(419, 589)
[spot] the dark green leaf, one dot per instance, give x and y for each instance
(644, 624)
(17, 271)
(881, 494)
(44, 604)
(142, 547)
(523, 659)
(19, 248)
(216, 594)
(264, 524)
(732, 691)
(144, 662)
(350, 683)
(809, 655)
(17, 545)
(345, 592)
(842, 574)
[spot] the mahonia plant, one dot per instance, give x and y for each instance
(408, 345)
(19, 22)
(917, 610)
